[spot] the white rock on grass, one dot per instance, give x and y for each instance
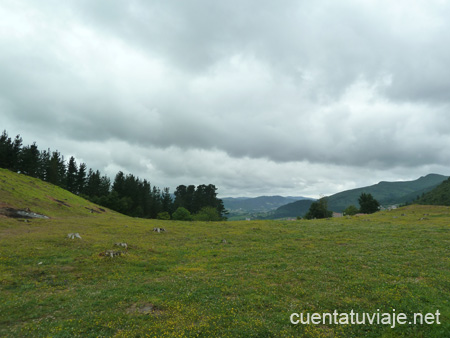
(74, 235)
(123, 245)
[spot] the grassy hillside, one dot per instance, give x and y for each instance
(224, 279)
(438, 196)
(299, 208)
(387, 193)
(21, 191)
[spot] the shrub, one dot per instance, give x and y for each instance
(163, 215)
(207, 214)
(351, 210)
(182, 214)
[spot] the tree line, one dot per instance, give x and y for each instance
(127, 194)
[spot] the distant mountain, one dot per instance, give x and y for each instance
(387, 193)
(242, 207)
(298, 208)
(438, 196)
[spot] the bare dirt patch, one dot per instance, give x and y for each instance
(146, 309)
(59, 201)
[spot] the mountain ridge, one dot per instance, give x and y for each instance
(387, 193)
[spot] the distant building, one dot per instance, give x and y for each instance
(389, 208)
(337, 214)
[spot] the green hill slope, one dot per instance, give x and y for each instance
(438, 196)
(298, 208)
(24, 192)
(387, 193)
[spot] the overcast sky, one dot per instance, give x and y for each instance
(303, 98)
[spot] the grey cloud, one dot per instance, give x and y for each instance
(269, 86)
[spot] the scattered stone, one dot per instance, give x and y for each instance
(159, 229)
(423, 219)
(39, 263)
(403, 215)
(123, 245)
(74, 235)
(224, 241)
(111, 253)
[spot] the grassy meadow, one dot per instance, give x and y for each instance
(214, 279)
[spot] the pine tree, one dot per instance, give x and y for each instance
(71, 177)
(56, 170)
(29, 161)
(81, 179)
(166, 201)
(93, 184)
(44, 164)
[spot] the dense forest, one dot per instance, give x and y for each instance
(127, 194)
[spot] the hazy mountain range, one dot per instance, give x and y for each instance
(256, 207)
(387, 193)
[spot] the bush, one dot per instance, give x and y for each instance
(182, 214)
(163, 215)
(207, 214)
(351, 210)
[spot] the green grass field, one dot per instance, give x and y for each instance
(216, 279)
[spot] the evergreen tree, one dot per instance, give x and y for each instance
(5, 146)
(56, 169)
(93, 184)
(29, 161)
(81, 179)
(71, 177)
(44, 164)
(166, 201)
(104, 186)
(180, 196)
(189, 199)
(15, 154)
(156, 202)
(145, 195)
(10, 151)
(119, 184)
(319, 209)
(368, 204)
